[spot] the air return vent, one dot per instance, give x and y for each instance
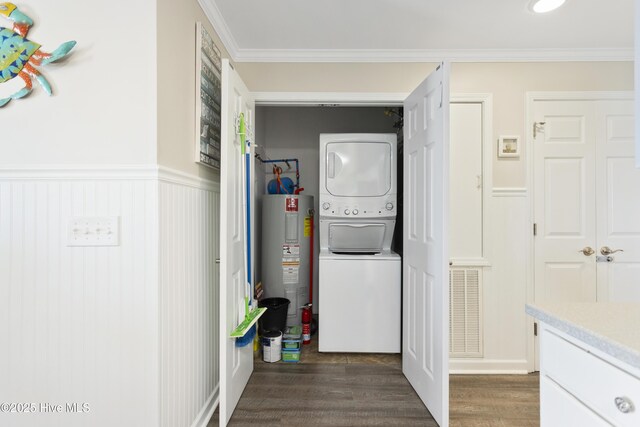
(465, 327)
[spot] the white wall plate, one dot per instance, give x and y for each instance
(94, 231)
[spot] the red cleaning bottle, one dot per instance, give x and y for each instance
(306, 324)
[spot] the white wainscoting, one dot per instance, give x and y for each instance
(79, 324)
(189, 291)
(130, 329)
(504, 288)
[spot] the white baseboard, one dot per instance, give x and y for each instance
(208, 409)
(488, 366)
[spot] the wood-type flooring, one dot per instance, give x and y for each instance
(337, 389)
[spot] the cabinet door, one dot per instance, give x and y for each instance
(559, 408)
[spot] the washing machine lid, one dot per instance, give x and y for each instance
(356, 237)
(358, 168)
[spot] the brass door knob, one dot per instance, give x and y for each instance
(587, 251)
(606, 250)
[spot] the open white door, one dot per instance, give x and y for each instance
(236, 363)
(425, 284)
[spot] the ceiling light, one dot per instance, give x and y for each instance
(543, 6)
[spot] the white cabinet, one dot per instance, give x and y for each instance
(580, 385)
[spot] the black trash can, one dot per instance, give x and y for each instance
(275, 319)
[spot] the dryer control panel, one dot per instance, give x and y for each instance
(331, 207)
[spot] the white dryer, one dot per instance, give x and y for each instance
(359, 275)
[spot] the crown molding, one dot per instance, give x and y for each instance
(220, 26)
(238, 54)
(432, 55)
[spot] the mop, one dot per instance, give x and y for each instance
(246, 330)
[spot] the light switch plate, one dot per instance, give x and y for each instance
(94, 231)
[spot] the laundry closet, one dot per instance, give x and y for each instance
(288, 141)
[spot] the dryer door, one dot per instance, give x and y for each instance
(358, 169)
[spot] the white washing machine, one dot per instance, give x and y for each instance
(359, 276)
(359, 298)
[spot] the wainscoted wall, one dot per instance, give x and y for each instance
(131, 330)
(189, 292)
(78, 324)
(504, 288)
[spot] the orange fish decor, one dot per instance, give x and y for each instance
(20, 57)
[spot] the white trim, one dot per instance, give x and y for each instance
(574, 96)
(487, 366)
(370, 99)
(109, 172)
(73, 172)
(424, 55)
(219, 24)
(527, 150)
(509, 192)
(178, 177)
(203, 418)
(469, 262)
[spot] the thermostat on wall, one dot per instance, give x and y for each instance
(509, 146)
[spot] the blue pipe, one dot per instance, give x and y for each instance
(286, 161)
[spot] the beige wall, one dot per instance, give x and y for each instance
(333, 77)
(103, 106)
(176, 84)
(508, 82)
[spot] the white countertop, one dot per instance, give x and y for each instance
(613, 328)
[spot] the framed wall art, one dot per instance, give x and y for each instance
(208, 90)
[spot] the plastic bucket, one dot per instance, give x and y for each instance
(271, 346)
(275, 319)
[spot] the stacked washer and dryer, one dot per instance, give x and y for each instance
(359, 275)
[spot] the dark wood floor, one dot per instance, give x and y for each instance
(370, 390)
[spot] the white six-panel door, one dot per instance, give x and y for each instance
(425, 294)
(565, 178)
(586, 196)
(236, 363)
(618, 202)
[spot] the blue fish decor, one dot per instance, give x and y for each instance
(20, 57)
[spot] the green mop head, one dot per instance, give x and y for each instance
(248, 322)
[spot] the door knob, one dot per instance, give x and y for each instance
(623, 404)
(587, 251)
(606, 250)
